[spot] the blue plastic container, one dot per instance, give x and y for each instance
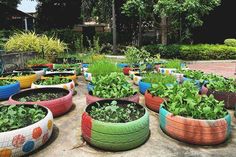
(8, 90)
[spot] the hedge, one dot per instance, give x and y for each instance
(194, 52)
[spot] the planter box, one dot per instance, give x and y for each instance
(114, 136)
(22, 141)
(57, 106)
(153, 102)
(229, 98)
(91, 99)
(25, 81)
(195, 131)
(7, 90)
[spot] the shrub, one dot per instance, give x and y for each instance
(230, 42)
(24, 42)
(135, 56)
(193, 52)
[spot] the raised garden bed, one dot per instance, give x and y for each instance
(153, 102)
(126, 126)
(38, 71)
(8, 87)
(58, 100)
(62, 75)
(25, 78)
(19, 136)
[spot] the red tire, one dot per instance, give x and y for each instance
(91, 99)
(153, 102)
(126, 70)
(57, 106)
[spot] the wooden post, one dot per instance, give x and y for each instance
(164, 30)
(114, 27)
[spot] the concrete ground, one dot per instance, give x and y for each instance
(66, 139)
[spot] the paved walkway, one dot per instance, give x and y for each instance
(220, 68)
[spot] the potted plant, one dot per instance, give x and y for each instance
(112, 86)
(76, 67)
(54, 82)
(154, 78)
(58, 100)
(62, 75)
(61, 70)
(172, 66)
(8, 87)
(39, 62)
(38, 71)
(25, 78)
(115, 124)
(192, 118)
(24, 133)
(154, 96)
(101, 68)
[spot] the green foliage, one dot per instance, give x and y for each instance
(36, 61)
(155, 78)
(134, 8)
(18, 116)
(4, 82)
(53, 81)
(184, 15)
(135, 56)
(174, 63)
(103, 67)
(193, 52)
(116, 113)
(35, 97)
(113, 85)
(25, 42)
(159, 89)
(230, 42)
(184, 100)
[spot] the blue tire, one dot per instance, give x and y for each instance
(85, 65)
(122, 65)
(143, 86)
(8, 90)
(90, 87)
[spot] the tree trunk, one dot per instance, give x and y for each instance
(164, 30)
(114, 27)
(140, 32)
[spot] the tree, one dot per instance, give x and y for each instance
(11, 3)
(184, 15)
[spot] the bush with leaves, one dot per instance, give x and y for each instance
(230, 42)
(113, 85)
(184, 100)
(135, 56)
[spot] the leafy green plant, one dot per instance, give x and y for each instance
(159, 89)
(113, 85)
(135, 56)
(34, 97)
(173, 63)
(17, 74)
(36, 61)
(4, 82)
(103, 67)
(18, 116)
(116, 113)
(184, 100)
(53, 81)
(154, 78)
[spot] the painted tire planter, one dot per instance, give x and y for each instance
(88, 76)
(153, 102)
(57, 106)
(166, 70)
(38, 71)
(195, 131)
(22, 141)
(60, 66)
(68, 86)
(25, 81)
(62, 75)
(126, 70)
(8, 90)
(137, 78)
(229, 98)
(90, 87)
(55, 71)
(85, 65)
(133, 72)
(115, 136)
(122, 65)
(49, 65)
(143, 86)
(91, 99)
